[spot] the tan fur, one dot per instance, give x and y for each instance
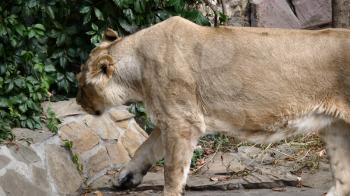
(257, 84)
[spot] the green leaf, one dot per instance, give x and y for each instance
(139, 6)
(60, 39)
(98, 14)
(87, 18)
(60, 76)
(50, 68)
(94, 26)
(128, 13)
(50, 12)
(117, 2)
(30, 124)
(63, 61)
(91, 33)
(39, 27)
(3, 31)
(67, 144)
(23, 108)
(39, 67)
(85, 9)
(163, 14)
(9, 87)
(20, 29)
(95, 39)
(3, 103)
(13, 42)
(19, 82)
(223, 18)
(70, 76)
(126, 26)
(31, 33)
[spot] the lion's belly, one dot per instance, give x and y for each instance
(271, 132)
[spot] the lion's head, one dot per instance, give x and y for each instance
(100, 84)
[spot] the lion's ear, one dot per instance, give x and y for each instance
(106, 65)
(110, 35)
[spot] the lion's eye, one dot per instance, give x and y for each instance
(104, 68)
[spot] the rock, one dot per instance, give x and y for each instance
(61, 168)
(24, 153)
(273, 13)
(270, 178)
(321, 179)
(40, 177)
(235, 166)
(120, 114)
(98, 162)
(123, 124)
(14, 184)
(131, 140)
(135, 126)
(83, 137)
(313, 13)
(64, 109)
(102, 144)
(102, 182)
(25, 136)
(4, 160)
(117, 153)
(103, 126)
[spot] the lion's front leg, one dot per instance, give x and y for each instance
(337, 137)
(146, 155)
(180, 142)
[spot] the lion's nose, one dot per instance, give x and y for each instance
(98, 112)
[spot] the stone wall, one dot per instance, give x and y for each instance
(306, 14)
(37, 163)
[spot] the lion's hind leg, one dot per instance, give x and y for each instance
(337, 138)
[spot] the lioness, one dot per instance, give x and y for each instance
(258, 84)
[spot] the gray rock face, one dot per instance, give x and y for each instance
(26, 136)
(273, 13)
(14, 184)
(40, 177)
(313, 13)
(64, 173)
(24, 153)
(4, 161)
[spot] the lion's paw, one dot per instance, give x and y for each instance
(128, 179)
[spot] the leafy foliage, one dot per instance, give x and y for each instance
(141, 117)
(197, 154)
(42, 44)
(75, 158)
(52, 121)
